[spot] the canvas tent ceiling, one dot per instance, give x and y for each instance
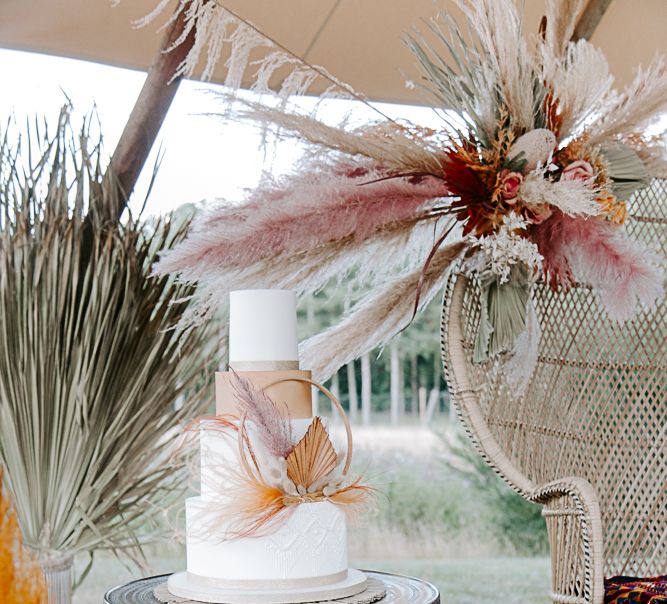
(358, 41)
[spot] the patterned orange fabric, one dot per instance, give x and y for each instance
(633, 590)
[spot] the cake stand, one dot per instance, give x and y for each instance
(399, 590)
(179, 585)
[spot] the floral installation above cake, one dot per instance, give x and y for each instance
(528, 178)
(273, 472)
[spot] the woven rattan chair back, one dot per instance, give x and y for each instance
(594, 414)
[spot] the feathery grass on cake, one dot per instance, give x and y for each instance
(274, 428)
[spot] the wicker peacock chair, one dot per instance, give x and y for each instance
(588, 440)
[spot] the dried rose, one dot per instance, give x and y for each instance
(579, 170)
(537, 214)
(509, 185)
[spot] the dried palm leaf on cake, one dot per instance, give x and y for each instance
(532, 131)
(312, 458)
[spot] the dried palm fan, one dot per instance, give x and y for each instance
(89, 369)
(313, 456)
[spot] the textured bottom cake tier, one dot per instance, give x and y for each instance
(309, 548)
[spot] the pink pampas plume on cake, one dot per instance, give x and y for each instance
(625, 273)
(273, 428)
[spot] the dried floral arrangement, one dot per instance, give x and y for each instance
(271, 471)
(528, 178)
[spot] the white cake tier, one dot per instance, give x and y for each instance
(262, 327)
(219, 455)
(308, 548)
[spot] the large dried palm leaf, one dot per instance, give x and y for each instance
(89, 369)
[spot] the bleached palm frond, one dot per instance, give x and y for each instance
(562, 17)
(471, 90)
(652, 150)
(499, 30)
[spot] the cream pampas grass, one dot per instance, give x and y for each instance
(582, 84)
(218, 29)
(378, 317)
(561, 19)
(89, 369)
(636, 106)
(572, 197)
(390, 144)
(387, 183)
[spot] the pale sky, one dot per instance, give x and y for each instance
(204, 158)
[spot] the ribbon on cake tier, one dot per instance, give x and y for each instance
(296, 583)
(264, 366)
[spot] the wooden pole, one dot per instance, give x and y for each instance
(149, 111)
(590, 19)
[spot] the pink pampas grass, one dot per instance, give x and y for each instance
(318, 206)
(624, 273)
(274, 429)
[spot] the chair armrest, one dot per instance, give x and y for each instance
(574, 524)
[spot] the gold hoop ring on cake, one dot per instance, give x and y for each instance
(346, 422)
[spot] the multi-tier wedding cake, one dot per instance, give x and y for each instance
(270, 523)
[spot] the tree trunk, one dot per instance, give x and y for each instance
(401, 385)
(432, 405)
(414, 385)
(452, 409)
(396, 379)
(366, 389)
(422, 404)
(352, 392)
(434, 396)
(335, 390)
(58, 576)
(310, 311)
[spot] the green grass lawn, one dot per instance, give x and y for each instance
(466, 581)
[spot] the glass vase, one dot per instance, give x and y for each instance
(58, 575)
